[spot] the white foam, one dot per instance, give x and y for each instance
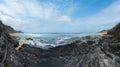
(62, 39)
(42, 45)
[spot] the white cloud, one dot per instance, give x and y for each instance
(64, 18)
(108, 15)
(19, 24)
(30, 13)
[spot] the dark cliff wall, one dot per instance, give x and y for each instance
(7, 47)
(91, 53)
(115, 32)
(8, 28)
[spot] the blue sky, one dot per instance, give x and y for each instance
(61, 16)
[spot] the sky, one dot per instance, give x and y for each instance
(60, 16)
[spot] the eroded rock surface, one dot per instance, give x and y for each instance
(100, 53)
(90, 52)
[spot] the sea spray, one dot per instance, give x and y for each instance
(48, 40)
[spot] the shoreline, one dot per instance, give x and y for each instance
(31, 42)
(89, 51)
(99, 51)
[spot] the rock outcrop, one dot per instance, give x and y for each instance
(115, 32)
(8, 28)
(98, 52)
(7, 45)
(28, 56)
(88, 52)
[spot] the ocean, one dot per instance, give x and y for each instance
(51, 39)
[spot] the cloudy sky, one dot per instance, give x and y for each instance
(38, 16)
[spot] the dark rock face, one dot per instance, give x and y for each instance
(29, 39)
(8, 28)
(36, 57)
(7, 45)
(27, 57)
(115, 32)
(92, 52)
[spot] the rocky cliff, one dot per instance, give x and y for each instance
(7, 45)
(8, 28)
(93, 52)
(28, 56)
(115, 32)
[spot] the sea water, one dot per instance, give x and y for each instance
(51, 39)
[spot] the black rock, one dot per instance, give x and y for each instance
(115, 32)
(8, 28)
(28, 38)
(76, 54)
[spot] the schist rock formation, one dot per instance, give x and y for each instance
(94, 51)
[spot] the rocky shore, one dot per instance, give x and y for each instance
(8, 28)
(89, 52)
